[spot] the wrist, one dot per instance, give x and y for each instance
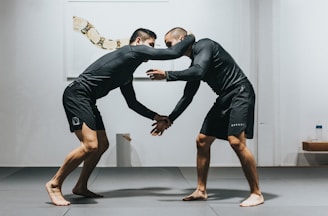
(156, 117)
(166, 74)
(171, 118)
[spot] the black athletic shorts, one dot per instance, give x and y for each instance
(232, 113)
(81, 109)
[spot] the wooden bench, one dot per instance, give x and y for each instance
(315, 146)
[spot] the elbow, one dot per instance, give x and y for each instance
(199, 72)
(130, 105)
(198, 76)
(175, 52)
(176, 55)
(190, 98)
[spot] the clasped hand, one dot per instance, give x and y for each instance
(162, 123)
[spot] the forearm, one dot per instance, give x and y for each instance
(188, 95)
(174, 51)
(132, 102)
(179, 109)
(142, 110)
(193, 73)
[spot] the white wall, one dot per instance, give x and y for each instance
(33, 129)
(286, 47)
(292, 80)
(7, 62)
(303, 51)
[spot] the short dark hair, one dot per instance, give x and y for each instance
(143, 33)
(177, 32)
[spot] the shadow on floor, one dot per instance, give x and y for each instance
(165, 194)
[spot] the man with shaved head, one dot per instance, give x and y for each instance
(230, 118)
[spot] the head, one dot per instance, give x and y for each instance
(143, 36)
(174, 36)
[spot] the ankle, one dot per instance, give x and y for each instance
(257, 193)
(201, 190)
(53, 184)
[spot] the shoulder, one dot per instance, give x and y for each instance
(140, 48)
(120, 51)
(126, 48)
(203, 44)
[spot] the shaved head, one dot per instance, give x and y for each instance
(177, 32)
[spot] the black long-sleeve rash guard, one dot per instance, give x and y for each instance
(211, 64)
(116, 69)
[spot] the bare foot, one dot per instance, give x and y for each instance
(56, 195)
(196, 195)
(252, 200)
(85, 193)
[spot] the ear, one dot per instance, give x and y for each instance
(138, 40)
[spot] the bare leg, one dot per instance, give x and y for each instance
(81, 187)
(203, 161)
(89, 145)
(249, 167)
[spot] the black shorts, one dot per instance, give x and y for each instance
(231, 114)
(81, 109)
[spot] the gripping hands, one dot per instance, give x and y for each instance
(162, 123)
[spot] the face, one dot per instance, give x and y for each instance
(148, 42)
(170, 41)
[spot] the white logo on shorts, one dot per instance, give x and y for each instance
(237, 125)
(76, 121)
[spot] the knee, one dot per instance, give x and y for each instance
(235, 143)
(90, 144)
(202, 143)
(103, 145)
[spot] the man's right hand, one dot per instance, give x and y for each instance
(156, 74)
